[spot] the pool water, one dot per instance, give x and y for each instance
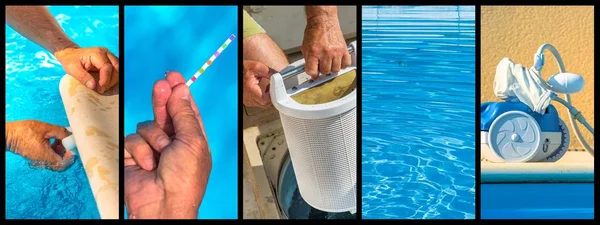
(163, 38)
(32, 78)
(418, 112)
(537, 201)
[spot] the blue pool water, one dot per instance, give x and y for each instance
(160, 39)
(32, 77)
(418, 112)
(537, 201)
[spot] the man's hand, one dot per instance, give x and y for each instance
(31, 139)
(167, 162)
(79, 62)
(254, 72)
(324, 47)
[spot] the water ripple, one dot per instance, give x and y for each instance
(418, 112)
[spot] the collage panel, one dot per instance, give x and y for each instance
(181, 108)
(418, 114)
(299, 115)
(279, 100)
(537, 112)
(62, 112)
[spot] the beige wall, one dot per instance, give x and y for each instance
(517, 32)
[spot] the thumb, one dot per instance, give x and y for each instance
(257, 69)
(263, 71)
(185, 122)
(82, 75)
(54, 131)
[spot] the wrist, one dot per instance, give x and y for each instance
(62, 45)
(321, 19)
(320, 13)
(179, 210)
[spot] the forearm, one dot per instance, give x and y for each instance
(320, 12)
(38, 25)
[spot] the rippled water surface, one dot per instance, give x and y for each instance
(418, 112)
(32, 77)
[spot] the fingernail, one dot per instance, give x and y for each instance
(89, 84)
(162, 142)
(149, 162)
(101, 90)
(186, 94)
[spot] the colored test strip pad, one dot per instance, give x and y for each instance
(210, 61)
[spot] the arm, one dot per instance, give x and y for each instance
(38, 25)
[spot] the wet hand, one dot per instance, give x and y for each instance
(31, 139)
(167, 162)
(254, 71)
(324, 48)
(80, 62)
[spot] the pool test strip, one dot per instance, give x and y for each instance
(210, 61)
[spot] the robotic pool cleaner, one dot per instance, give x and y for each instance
(525, 127)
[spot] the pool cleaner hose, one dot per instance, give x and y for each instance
(573, 112)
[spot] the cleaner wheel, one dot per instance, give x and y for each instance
(564, 143)
(514, 136)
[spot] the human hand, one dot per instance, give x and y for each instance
(167, 162)
(254, 72)
(31, 139)
(79, 62)
(324, 48)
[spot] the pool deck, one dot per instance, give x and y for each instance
(577, 166)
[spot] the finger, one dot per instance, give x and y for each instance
(253, 90)
(154, 136)
(186, 125)
(114, 80)
(261, 71)
(114, 61)
(336, 63)
(174, 79)
(312, 67)
(54, 131)
(58, 147)
(115, 74)
(160, 96)
(140, 150)
(347, 60)
(61, 163)
(82, 75)
(103, 64)
(265, 100)
(325, 65)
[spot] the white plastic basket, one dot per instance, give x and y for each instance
(322, 142)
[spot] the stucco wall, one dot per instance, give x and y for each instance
(517, 32)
